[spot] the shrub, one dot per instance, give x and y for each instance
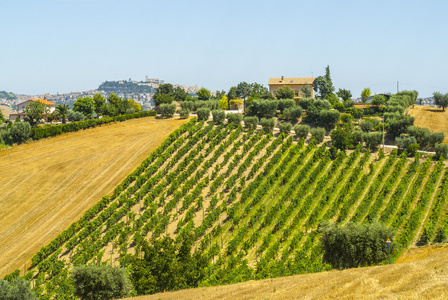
(285, 103)
(366, 126)
(306, 102)
(264, 108)
(436, 138)
(441, 150)
(187, 105)
(318, 133)
(167, 109)
(339, 106)
(75, 116)
(203, 113)
(403, 141)
(130, 111)
(293, 113)
(356, 245)
(357, 136)
(251, 122)
(184, 113)
(285, 127)
(100, 282)
(302, 131)
(372, 139)
(20, 131)
(234, 118)
(329, 118)
(356, 112)
(267, 124)
(16, 288)
(218, 116)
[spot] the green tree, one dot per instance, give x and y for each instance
(243, 90)
(20, 131)
(2, 118)
(285, 92)
(344, 94)
(258, 90)
(34, 112)
(306, 91)
(267, 124)
(203, 94)
(372, 139)
(323, 85)
(285, 127)
(302, 131)
(341, 138)
(16, 289)
(441, 100)
(180, 94)
(100, 282)
(234, 118)
(100, 102)
(318, 133)
(62, 111)
(441, 150)
(85, 105)
(164, 94)
(219, 95)
(232, 93)
(355, 245)
(379, 100)
(167, 109)
(203, 113)
(251, 122)
(218, 116)
(364, 94)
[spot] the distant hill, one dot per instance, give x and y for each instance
(125, 87)
(7, 96)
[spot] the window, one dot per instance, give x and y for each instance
(296, 93)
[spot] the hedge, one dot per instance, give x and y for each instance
(53, 130)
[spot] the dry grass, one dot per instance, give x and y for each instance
(47, 185)
(6, 111)
(421, 274)
(431, 117)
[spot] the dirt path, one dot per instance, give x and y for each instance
(47, 185)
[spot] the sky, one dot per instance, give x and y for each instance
(50, 46)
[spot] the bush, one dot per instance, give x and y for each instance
(372, 139)
(285, 103)
(184, 113)
(218, 116)
(366, 126)
(357, 137)
(436, 138)
(203, 113)
(100, 282)
(302, 131)
(167, 109)
(75, 116)
(16, 288)
(329, 118)
(403, 141)
(234, 118)
(267, 124)
(339, 106)
(264, 108)
(20, 131)
(130, 111)
(293, 113)
(318, 133)
(356, 112)
(441, 150)
(285, 127)
(356, 245)
(306, 102)
(251, 122)
(187, 105)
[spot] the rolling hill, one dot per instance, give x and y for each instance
(253, 202)
(47, 185)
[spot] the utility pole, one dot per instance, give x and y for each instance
(398, 89)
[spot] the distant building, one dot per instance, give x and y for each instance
(295, 83)
(22, 105)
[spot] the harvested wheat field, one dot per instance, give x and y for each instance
(420, 273)
(431, 117)
(47, 185)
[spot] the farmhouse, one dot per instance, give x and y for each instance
(21, 109)
(295, 83)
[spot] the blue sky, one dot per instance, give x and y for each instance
(74, 45)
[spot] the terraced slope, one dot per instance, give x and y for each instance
(253, 203)
(47, 185)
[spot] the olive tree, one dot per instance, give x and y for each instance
(167, 109)
(302, 131)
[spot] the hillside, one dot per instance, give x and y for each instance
(47, 185)
(6, 110)
(431, 117)
(253, 203)
(423, 274)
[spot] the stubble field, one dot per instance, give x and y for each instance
(431, 117)
(47, 185)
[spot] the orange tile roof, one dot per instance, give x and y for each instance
(46, 102)
(291, 80)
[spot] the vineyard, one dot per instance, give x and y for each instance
(253, 202)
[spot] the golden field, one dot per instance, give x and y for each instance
(431, 117)
(420, 273)
(6, 111)
(46, 185)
